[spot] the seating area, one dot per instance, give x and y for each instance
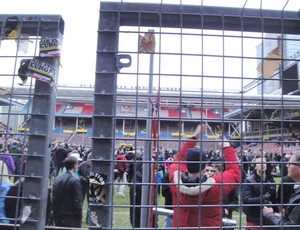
(173, 142)
(64, 137)
(272, 147)
(82, 139)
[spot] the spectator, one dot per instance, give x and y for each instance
(230, 202)
(158, 176)
(121, 166)
(4, 187)
(245, 161)
(161, 160)
(283, 168)
(135, 175)
(166, 192)
(7, 158)
(250, 159)
(13, 202)
(168, 162)
(186, 196)
(209, 170)
(20, 167)
(59, 156)
(130, 155)
(74, 153)
(67, 197)
(15, 150)
(86, 153)
(291, 215)
(284, 191)
(258, 189)
(84, 169)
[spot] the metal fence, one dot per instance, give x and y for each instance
(231, 61)
(161, 70)
(35, 141)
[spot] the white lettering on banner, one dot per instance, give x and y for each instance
(41, 67)
(49, 44)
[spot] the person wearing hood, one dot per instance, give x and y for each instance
(196, 198)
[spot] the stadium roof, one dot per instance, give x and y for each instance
(232, 105)
(173, 98)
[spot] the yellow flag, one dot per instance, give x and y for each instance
(270, 63)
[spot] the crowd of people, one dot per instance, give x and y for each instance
(201, 187)
(245, 184)
(69, 174)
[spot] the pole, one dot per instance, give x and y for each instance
(147, 172)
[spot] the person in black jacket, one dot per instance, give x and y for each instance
(258, 189)
(231, 201)
(135, 177)
(13, 203)
(166, 192)
(291, 214)
(285, 190)
(67, 197)
(59, 156)
(84, 169)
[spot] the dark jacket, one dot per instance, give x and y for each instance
(67, 197)
(285, 190)
(166, 191)
(84, 172)
(257, 192)
(291, 214)
(59, 155)
(231, 203)
(12, 205)
(135, 170)
(15, 151)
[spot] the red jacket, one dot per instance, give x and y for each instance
(208, 211)
(121, 163)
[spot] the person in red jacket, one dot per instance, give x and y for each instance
(121, 166)
(196, 198)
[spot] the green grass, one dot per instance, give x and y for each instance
(121, 211)
(121, 214)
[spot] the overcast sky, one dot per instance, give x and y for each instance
(81, 23)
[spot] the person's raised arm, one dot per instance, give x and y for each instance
(199, 130)
(232, 169)
(190, 143)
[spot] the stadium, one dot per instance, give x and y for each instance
(150, 95)
(74, 110)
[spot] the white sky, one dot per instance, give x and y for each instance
(81, 24)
